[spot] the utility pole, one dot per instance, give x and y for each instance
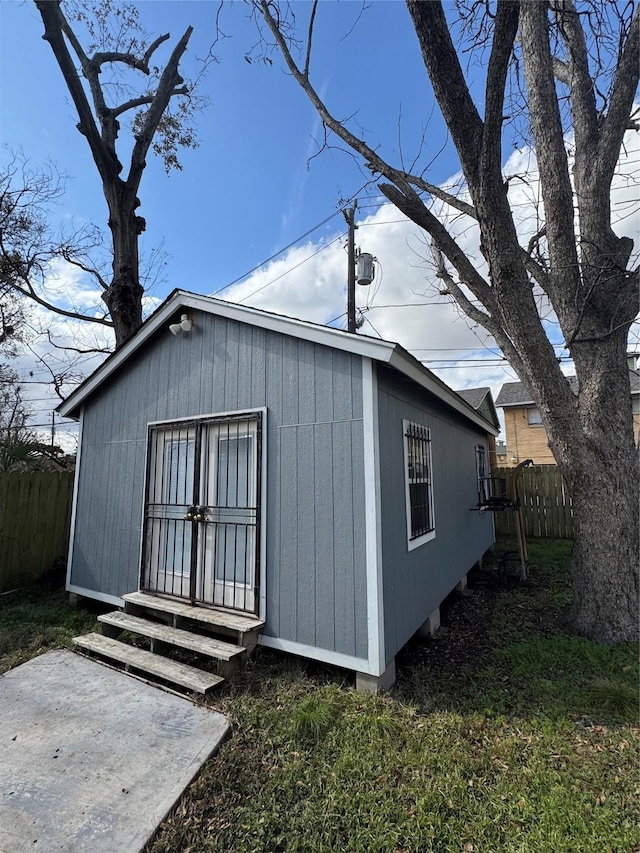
(350, 216)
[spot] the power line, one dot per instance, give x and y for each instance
(282, 275)
(278, 253)
(293, 243)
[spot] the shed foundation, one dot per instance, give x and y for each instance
(366, 683)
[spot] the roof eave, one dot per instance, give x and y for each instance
(517, 405)
(405, 363)
(378, 350)
(368, 347)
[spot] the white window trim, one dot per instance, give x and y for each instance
(412, 544)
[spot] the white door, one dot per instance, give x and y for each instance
(202, 511)
(170, 489)
(227, 552)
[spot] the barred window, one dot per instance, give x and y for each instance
(418, 483)
(484, 480)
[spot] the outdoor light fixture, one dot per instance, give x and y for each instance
(185, 325)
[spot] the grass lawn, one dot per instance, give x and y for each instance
(506, 735)
(35, 620)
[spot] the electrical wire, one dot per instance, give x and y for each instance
(278, 253)
(282, 275)
(293, 242)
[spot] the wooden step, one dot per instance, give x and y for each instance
(185, 676)
(172, 636)
(212, 618)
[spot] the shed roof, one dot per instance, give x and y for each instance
(517, 393)
(482, 400)
(386, 352)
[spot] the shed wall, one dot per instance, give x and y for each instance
(416, 582)
(316, 584)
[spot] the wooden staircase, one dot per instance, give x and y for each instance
(211, 639)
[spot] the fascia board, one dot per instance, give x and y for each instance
(113, 362)
(383, 351)
(379, 350)
(334, 338)
(519, 405)
(429, 382)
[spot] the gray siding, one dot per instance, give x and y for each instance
(415, 582)
(315, 501)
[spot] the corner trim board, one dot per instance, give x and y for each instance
(74, 502)
(373, 521)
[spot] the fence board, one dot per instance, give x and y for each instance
(545, 502)
(35, 516)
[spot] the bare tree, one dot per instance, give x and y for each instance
(30, 246)
(14, 413)
(579, 66)
(153, 125)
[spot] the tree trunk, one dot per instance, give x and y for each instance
(606, 554)
(595, 450)
(124, 295)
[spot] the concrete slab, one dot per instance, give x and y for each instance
(91, 759)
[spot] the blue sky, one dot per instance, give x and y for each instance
(248, 191)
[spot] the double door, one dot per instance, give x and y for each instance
(202, 511)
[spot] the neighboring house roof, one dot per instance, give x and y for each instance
(379, 350)
(517, 393)
(482, 401)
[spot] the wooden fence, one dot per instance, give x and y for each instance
(544, 498)
(35, 517)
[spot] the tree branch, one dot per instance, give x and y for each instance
(144, 100)
(30, 293)
(312, 18)
(54, 25)
(78, 350)
(561, 71)
(169, 80)
(555, 182)
(414, 209)
(583, 101)
(66, 254)
(450, 88)
(621, 99)
(101, 58)
(372, 160)
(505, 30)
(474, 313)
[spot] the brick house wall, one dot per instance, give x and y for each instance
(529, 441)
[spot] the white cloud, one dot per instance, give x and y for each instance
(309, 282)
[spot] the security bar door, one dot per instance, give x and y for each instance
(202, 512)
(169, 541)
(227, 554)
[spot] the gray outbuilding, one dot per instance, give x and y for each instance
(238, 459)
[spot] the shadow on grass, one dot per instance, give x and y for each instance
(38, 618)
(503, 650)
(507, 734)
(510, 650)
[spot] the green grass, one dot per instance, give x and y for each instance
(36, 619)
(507, 735)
